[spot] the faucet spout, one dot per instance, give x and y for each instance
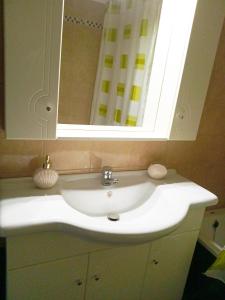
(107, 176)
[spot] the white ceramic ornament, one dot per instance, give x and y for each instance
(45, 178)
(157, 171)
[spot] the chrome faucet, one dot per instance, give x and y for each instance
(107, 177)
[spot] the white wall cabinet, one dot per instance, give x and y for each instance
(155, 271)
(32, 39)
(178, 84)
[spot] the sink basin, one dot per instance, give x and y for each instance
(137, 209)
(144, 209)
(90, 197)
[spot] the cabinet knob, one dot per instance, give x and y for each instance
(96, 277)
(155, 262)
(79, 282)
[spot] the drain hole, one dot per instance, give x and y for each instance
(113, 217)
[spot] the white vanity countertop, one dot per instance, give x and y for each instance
(26, 209)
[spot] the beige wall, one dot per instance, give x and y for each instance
(89, 9)
(80, 51)
(203, 160)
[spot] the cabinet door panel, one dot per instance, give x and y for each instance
(59, 280)
(168, 267)
(32, 35)
(117, 274)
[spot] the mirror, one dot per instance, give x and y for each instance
(107, 55)
(107, 69)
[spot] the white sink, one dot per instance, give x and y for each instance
(90, 197)
(145, 209)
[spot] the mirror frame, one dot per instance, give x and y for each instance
(172, 42)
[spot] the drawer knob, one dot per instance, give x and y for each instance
(96, 277)
(155, 262)
(79, 282)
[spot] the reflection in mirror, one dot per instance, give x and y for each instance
(107, 54)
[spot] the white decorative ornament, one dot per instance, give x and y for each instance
(157, 171)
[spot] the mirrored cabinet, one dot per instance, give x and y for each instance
(108, 69)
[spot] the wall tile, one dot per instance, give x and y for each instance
(93, 10)
(19, 158)
(180, 153)
(209, 149)
(116, 155)
(145, 153)
(80, 50)
(126, 155)
(68, 155)
(215, 182)
(216, 91)
(212, 122)
(199, 174)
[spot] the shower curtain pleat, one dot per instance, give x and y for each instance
(125, 60)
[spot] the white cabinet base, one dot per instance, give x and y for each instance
(168, 267)
(155, 271)
(57, 280)
(120, 272)
(50, 265)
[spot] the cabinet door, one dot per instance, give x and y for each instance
(117, 274)
(168, 267)
(58, 280)
(32, 34)
(206, 30)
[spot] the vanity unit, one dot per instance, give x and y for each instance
(61, 266)
(57, 248)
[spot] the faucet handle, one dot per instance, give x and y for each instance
(107, 170)
(115, 180)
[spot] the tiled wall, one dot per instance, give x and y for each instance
(82, 31)
(203, 160)
(78, 69)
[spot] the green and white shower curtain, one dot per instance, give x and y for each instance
(126, 55)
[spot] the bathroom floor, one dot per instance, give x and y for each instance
(199, 286)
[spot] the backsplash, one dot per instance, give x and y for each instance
(202, 161)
